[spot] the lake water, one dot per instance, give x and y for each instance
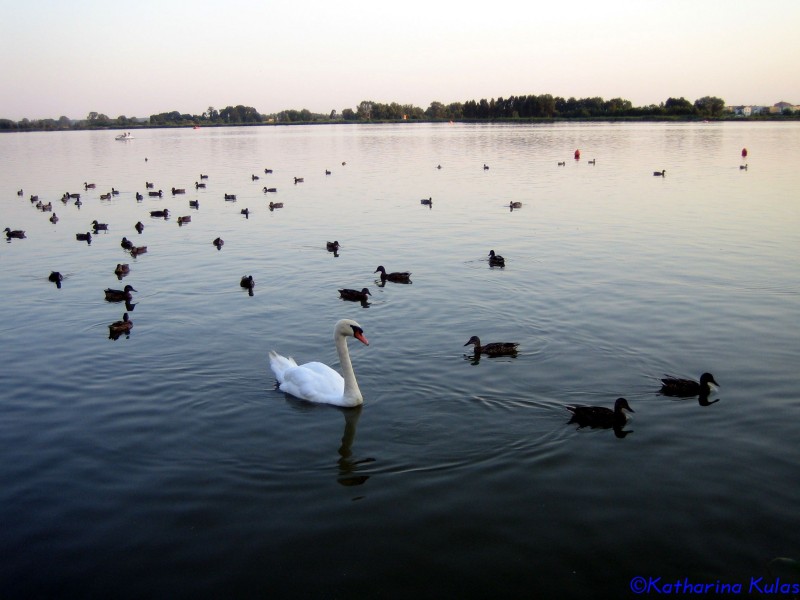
(165, 464)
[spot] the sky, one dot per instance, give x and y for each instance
(150, 56)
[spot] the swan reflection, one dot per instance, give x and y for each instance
(348, 467)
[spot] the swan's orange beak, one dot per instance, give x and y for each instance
(360, 337)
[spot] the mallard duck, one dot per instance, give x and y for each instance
(176, 191)
(54, 218)
(121, 326)
(332, 246)
(245, 212)
(149, 185)
(513, 204)
(327, 172)
(139, 197)
(198, 185)
(84, 237)
(673, 386)
(139, 226)
(202, 176)
(562, 163)
(122, 269)
(230, 197)
(56, 278)
(354, 295)
(19, 192)
(45, 207)
(298, 180)
(743, 167)
(157, 194)
(274, 205)
(88, 186)
(592, 162)
(247, 282)
(194, 203)
(34, 198)
(16, 233)
(600, 416)
(493, 348)
(218, 242)
(105, 196)
(160, 213)
(99, 226)
(485, 167)
(184, 220)
(660, 173)
(427, 201)
(137, 250)
(267, 171)
(126, 244)
(270, 190)
(495, 260)
(114, 192)
(123, 295)
(397, 277)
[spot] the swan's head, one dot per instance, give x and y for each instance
(349, 328)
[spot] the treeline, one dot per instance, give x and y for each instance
(530, 107)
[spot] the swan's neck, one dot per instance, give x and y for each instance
(352, 395)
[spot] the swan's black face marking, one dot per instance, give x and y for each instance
(358, 333)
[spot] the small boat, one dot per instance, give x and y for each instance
(124, 136)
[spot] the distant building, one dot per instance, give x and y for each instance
(779, 107)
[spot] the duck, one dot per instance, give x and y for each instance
(270, 190)
(254, 177)
(54, 218)
(194, 203)
(16, 233)
(485, 167)
(88, 186)
(184, 220)
(176, 191)
(592, 162)
(332, 246)
(99, 226)
(137, 250)
(245, 212)
(397, 277)
(105, 196)
(122, 326)
(114, 192)
(327, 172)
(148, 185)
(267, 171)
(122, 269)
(493, 348)
(274, 205)
(139, 197)
(427, 201)
(562, 163)
(34, 199)
(743, 167)
(84, 237)
(513, 204)
(317, 382)
(660, 173)
(354, 295)
(247, 282)
(123, 295)
(202, 176)
(298, 180)
(19, 192)
(56, 278)
(495, 260)
(230, 196)
(198, 185)
(46, 207)
(600, 416)
(684, 388)
(126, 244)
(139, 226)
(157, 194)
(160, 213)
(218, 242)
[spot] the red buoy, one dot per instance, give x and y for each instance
(744, 152)
(577, 154)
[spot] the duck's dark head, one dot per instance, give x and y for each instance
(473, 340)
(707, 378)
(622, 404)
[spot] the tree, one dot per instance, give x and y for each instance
(678, 106)
(348, 114)
(709, 106)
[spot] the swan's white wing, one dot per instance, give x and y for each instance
(279, 364)
(313, 381)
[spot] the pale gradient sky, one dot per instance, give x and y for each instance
(149, 56)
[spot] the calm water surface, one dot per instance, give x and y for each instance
(165, 464)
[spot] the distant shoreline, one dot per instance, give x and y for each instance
(533, 120)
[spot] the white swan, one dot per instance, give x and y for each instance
(317, 382)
